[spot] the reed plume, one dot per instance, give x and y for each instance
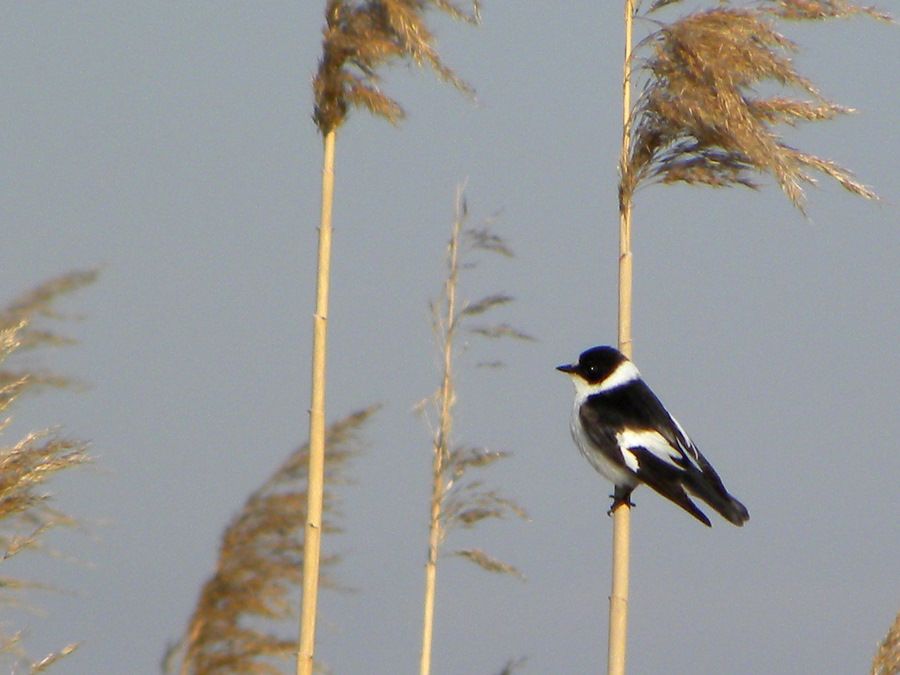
(27, 465)
(233, 627)
(887, 659)
(700, 118)
(360, 37)
(457, 500)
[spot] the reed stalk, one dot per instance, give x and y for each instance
(457, 500)
(315, 489)
(441, 443)
(618, 599)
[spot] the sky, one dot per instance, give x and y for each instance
(171, 146)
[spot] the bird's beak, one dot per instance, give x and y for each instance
(568, 368)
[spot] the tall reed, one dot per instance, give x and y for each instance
(456, 500)
(359, 38)
(699, 120)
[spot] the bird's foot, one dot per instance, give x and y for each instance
(621, 497)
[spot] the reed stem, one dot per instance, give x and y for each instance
(618, 599)
(441, 443)
(313, 533)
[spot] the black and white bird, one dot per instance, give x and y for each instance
(628, 436)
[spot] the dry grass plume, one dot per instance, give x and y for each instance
(701, 118)
(26, 465)
(258, 573)
(887, 659)
(362, 36)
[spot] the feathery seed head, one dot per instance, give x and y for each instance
(699, 119)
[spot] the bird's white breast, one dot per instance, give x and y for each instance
(612, 471)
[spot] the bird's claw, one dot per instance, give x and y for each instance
(622, 498)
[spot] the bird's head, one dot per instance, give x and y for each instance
(600, 369)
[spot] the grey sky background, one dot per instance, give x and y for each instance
(171, 145)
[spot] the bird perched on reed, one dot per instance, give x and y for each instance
(627, 435)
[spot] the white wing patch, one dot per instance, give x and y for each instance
(631, 460)
(650, 440)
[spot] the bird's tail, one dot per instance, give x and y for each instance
(715, 494)
(706, 485)
(732, 510)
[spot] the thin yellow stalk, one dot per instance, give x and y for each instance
(440, 449)
(312, 540)
(625, 207)
(618, 599)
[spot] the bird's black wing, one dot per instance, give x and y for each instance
(635, 408)
(678, 451)
(666, 479)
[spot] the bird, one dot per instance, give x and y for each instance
(628, 436)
